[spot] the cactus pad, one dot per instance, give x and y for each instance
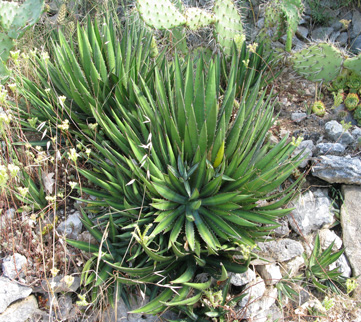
(8, 11)
(228, 24)
(318, 63)
(353, 64)
(27, 15)
(6, 44)
(198, 18)
(160, 14)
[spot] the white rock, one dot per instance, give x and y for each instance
(351, 223)
(256, 308)
(336, 133)
(281, 250)
(14, 266)
(238, 279)
(293, 266)
(255, 291)
(20, 311)
(327, 237)
(338, 169)
(343, 266)
(11, 292)
(72, 226)
(313, 211)
(271, 273)
(307, 147)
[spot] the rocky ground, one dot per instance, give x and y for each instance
(328, 206)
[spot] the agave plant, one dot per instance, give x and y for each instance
(183, 176)
(180, 167)
(98, 70)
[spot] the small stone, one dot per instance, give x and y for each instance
(334, 36)
(307, 147)
(11, 292)
(335, 132)
(337, 169)
(298, 117)
(303, 220)
(342, 39)
(281, 250)
(329, 149)
(321, 33)
(327, 237)
(255, 291)
(238, 279)
(337, 26)
(20, 311)
(14, 266)
(293, 266)
(343, 266)
(356, 45)
(271, 274)
(59, 285)
(356, 133)
(71, 227)
(283, 230)
(302, 32)
(356, 23)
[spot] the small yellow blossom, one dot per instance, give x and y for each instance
(54, 271)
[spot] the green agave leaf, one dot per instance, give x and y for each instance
(199, 286)
(186, 276)
(189, 301)
(155, 303)
(169, 194)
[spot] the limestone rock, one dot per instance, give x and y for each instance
(271, 273)
(293, 266)
(303, 220)
(337, 169)
(335, 132)
(281, 250)
(58, 285)
(321, 33)
(329, 149)
(72, 226)
(238, 279)
(327, 237)
(20, 311)
(298, 117)
(14, 266)
(351, 225)
(11, 292)
(307, 147)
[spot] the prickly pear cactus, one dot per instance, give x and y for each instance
(198, 18)
(292, 10)
(285, 16)
(228, 24)
(25, 16)
(318, 63)
(353, 64)
(15, 18)
(160, 14)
